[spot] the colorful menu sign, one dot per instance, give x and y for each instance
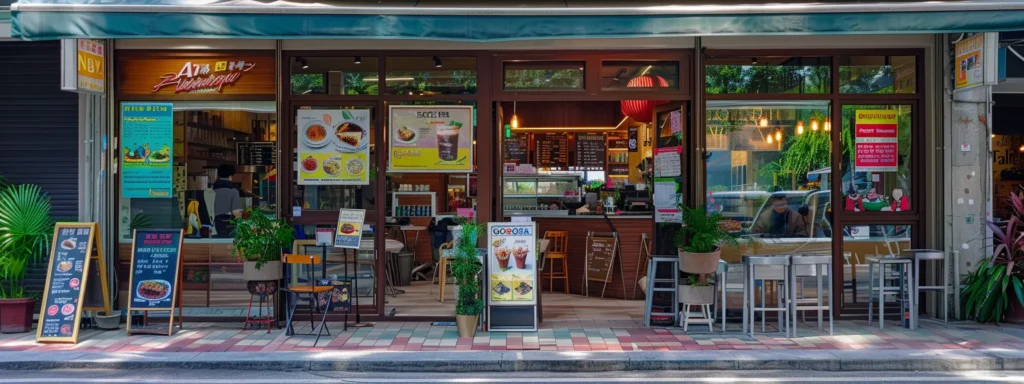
(91, 67)
(968, 65)
(333, 146)
(512, 263)
(876, 143)
(147, 136)
(156, 262)
(71, 257)
(590, 151)
(350, 228)
(552, 151)
(430, 138)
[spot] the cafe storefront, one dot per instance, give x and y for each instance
(582, 136)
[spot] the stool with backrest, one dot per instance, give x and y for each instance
(312, 289)
(444, 257)
(816, 266)
(557, 250)
(765, 268)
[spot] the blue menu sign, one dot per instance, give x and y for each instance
(63, 297)
(147, 142)
(156, 256)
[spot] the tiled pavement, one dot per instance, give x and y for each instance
(580, 335)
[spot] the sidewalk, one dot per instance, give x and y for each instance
(583, 346)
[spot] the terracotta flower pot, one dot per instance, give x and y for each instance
(467, 325)
(16, 315)
(271, 271)
(1014, 313)
(696, 295)
(699, 263)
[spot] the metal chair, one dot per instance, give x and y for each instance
(750, 262)
(901, 289)
(821, 265)
(559, 250)
(310, 261)
(920, 256)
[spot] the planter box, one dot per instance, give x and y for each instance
(16, 315)
(271, 271)
(699, 263)
(689, 294)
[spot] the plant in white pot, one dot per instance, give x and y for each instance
(258, 241)
(699, 242)
(25, 232)
(466, 268)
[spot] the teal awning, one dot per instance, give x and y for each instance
(56, 19)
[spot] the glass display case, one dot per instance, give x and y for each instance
(539, 195)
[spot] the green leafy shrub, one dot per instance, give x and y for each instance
(260, 238)
(25, 234)
(466, 268)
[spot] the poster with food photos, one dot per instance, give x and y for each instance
(512, 264)
(430, 138)
(333, 146)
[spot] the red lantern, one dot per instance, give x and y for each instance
(643, 110)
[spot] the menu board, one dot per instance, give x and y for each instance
(431, 138)
(156, 257)
(66, 279)
(257, 153)
(552, 151)
(876, 140)
(333, 146)
(512, 264)
(147, 136)
(590, 151)
(600, 258)
(349, 232)
(517, 148)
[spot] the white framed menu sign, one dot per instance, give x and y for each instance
(512, 276)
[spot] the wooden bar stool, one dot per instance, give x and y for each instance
(444, 258)
(558, 250)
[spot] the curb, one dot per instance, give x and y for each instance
(528, 361)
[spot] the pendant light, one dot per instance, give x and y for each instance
(770, 140)
(763, 122)
(778, 135)
(828, 125)
(814, 124)
(514, 122)
(800, 126)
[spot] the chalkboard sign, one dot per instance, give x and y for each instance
(257, 153)
(552, 151)
(72, 256)
(517, 148)
(600, 258)
(590, 151)
(153, 281)
(634, 142)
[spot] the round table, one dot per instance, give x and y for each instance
(390, 246)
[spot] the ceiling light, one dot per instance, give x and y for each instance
(763, 122)
(770, 138)
(437, 62)
(828, 126)
(800, 126)
(778, 135)
(514, 122)
(814, 124)
(357, 60)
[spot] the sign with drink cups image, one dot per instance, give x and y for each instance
(430, 138)
(512, 267)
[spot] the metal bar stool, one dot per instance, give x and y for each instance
(656, 284)
(820, 265)
(901, 290)
(920, 256)
(721, 280)
(750, 262)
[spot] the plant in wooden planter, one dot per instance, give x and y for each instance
(258, 241)
(699, 242)
(466, 269)
(25, 230)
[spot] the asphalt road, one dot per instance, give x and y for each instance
(249, 377)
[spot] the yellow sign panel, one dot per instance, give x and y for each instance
(968, 63)
(431, 138)
(91, 67)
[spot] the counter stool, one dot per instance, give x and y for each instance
(820, 265)
(920, 256)
(720, 281)
(443, 264)
(559, 250)
(901, 289)
(750, 262)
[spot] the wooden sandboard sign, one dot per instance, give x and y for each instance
(154, 282)
(601, 249)
(75, 251)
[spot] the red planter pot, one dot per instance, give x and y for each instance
(16, 315)
(1015, 313)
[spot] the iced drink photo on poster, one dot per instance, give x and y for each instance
(448, 140)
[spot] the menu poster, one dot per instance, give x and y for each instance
(66, 279)
(666, 201)
(430, 138)
(552, 151)
(156, 256)
(668, 162)
(634, 142)
(590, 151)
(600, 258)
(349, 232)
(877, 145)
(257, 153)
(512, 263)
(147, 136)
(333, 146)
(517, 148)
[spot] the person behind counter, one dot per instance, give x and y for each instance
(227, 203)
(780, 220)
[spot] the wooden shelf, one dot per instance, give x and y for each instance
(208, 146)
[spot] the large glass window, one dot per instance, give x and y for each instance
(876, 141)
(639, 75)
(352, 75)
(543, 75)
(429, 76)
(861, 243)
(877, 74)
(783, 75)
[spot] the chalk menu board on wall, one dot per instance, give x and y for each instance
(66, 278)
(590, 151)
(257, 153)
(600, 258)
(552, 151)
(516, 148)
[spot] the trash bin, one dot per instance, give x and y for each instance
(406, 261)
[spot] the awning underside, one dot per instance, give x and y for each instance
(57, 19)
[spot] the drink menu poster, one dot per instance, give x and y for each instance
(512, 264)
(590, 151)
(430, 138)
(552, 150)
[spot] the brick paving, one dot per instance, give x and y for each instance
(579, 335)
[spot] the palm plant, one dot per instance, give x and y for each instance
(986, 291)
(466, 268)
(25, 230)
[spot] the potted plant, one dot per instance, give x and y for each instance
(25, 230)
(701, 253)
(994, 292)
(258, 241)
(466, 268)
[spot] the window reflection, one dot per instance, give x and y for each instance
(428, 76)
(334, 75)
(543, 75)
(803, 75)
(877, 74)
(876, 163)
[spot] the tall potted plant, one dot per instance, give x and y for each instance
(466, 268)
(994, 291)
(258, 242)
(701, 254)
(25, 231)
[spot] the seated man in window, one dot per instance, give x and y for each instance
(780, 220)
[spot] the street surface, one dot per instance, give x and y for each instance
(222, 377)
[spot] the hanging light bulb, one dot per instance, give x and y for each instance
(800, 127)
(1021, 148)
(828, 126)
(778, 135)
(814, 124)
(770, 140)
(514, 122)
(763, 122)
